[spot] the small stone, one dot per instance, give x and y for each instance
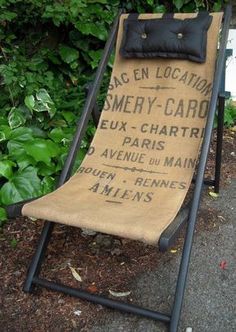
(116, 252)
(189, 329)
(107, 242)
(99, 238)
(87, 232)
(117, 243)
(104, 240)
(77, 312)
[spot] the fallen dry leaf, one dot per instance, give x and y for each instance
(213, 194)
(32, 219)
(221, 217)
(75, 274)
(119, 294)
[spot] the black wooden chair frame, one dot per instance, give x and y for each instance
(218, 97)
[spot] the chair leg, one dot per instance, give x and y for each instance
(37, 260)
(181, 281)
(220, 130)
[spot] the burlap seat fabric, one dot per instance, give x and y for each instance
(141, 161)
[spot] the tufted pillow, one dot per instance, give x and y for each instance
(166, 37)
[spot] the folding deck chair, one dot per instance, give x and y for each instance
(158, 115)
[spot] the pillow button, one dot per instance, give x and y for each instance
(144, 35)
(180, 35)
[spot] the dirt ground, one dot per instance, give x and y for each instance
(104, 264)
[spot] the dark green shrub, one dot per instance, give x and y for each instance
(230, 114)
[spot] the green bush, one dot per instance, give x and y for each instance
(49, 51)
(230, 114)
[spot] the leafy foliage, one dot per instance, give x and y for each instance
(48, 52)
(230, 114)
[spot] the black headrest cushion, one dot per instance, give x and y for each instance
(166, 37)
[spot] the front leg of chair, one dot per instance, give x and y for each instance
(35, 266)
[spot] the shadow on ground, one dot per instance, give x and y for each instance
(211, 288)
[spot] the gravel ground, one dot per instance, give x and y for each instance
(210, 303)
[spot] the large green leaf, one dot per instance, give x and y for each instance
(217, 6)
(38, 132)
(3, 119)
(24, 161)
(16, 144)
(42, 150)
(30, 102)
(159, 9)
(48, 185)
(16, 118)
(21, 134)
(57, 135)
(46, 170)
(16, 149)
(8, 15)
(69, 116)
(6, 168)
(43, 96)
(61, 159)
(79, 158)
(23, 185)
(96, 29)
(60, 135)
(179, 3)
(95, 56)
(44, 103)
(68, 54)
(5, 132)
